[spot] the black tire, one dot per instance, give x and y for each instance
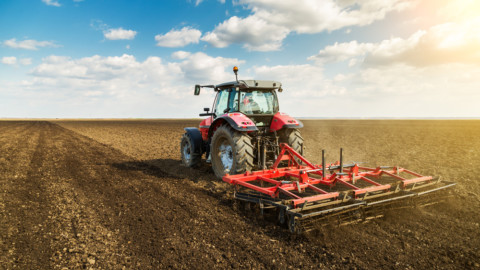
(293, 138)
(231, 152)
(189, 158)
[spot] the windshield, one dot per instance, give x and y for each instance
(258, 102)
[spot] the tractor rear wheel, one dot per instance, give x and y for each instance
(231, 152)
(189, 157)
(293, 138)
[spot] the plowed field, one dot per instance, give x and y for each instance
(113, 195)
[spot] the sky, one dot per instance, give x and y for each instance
(335, 58)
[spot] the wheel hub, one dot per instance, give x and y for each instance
(225, 153)
(186, 151)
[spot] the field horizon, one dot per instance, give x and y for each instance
(199, 118)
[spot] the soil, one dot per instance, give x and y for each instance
(114, 195)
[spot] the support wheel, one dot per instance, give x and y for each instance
(231, 152)
(281, 217)
(189, 157)
(294, 225)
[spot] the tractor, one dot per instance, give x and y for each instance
(243, 130)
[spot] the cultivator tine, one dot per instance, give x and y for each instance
(341, 160)
(323, 164)
(298, 191)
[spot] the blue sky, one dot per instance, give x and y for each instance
(345, 58)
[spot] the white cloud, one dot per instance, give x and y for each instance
(180, 55)
(13, 61)
(421, 75)
(458, 10)
(123, 74)
(255, 33)
(51, 3)
(179, 38)
(9, 60)
(271, 21)
(198, 2)
(99, 25)
(25, 61)
(341, 51)
(123, 86)
(441, 44)
(120, 86)
(28, 44)
(307, 80)
(202, 68)
(313, 16)
(435, 85)
(397, 90)
(119, 34)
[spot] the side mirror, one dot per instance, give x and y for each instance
(206, 109)
(280, 89)
(197, 90)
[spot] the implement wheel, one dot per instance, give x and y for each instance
(294, 225)
(189, 158)
(231, 152)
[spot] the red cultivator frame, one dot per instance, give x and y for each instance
(303, 192)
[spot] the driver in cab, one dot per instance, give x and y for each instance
(248, 104)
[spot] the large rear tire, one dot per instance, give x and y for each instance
(293, 138)
(231, 152)
(189, 157)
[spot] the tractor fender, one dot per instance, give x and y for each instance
(283, 120)
(237, 121)
(196, 139)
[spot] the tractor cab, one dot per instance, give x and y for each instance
(255, 99)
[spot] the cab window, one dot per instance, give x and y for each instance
(233, 101)
(227, 98)
(258, 102)
(222, 102)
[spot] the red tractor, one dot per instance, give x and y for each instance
(243, 130)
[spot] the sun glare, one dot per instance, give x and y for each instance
(460, 10)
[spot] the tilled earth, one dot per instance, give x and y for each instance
(113, 195)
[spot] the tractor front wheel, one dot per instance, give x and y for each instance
(189, 157)
(231, 152)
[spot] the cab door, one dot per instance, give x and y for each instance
(227, 101)
(221, 103)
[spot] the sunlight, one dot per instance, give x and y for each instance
(460, 10)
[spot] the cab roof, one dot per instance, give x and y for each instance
(254, 84)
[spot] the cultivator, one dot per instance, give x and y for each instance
(306, 195)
